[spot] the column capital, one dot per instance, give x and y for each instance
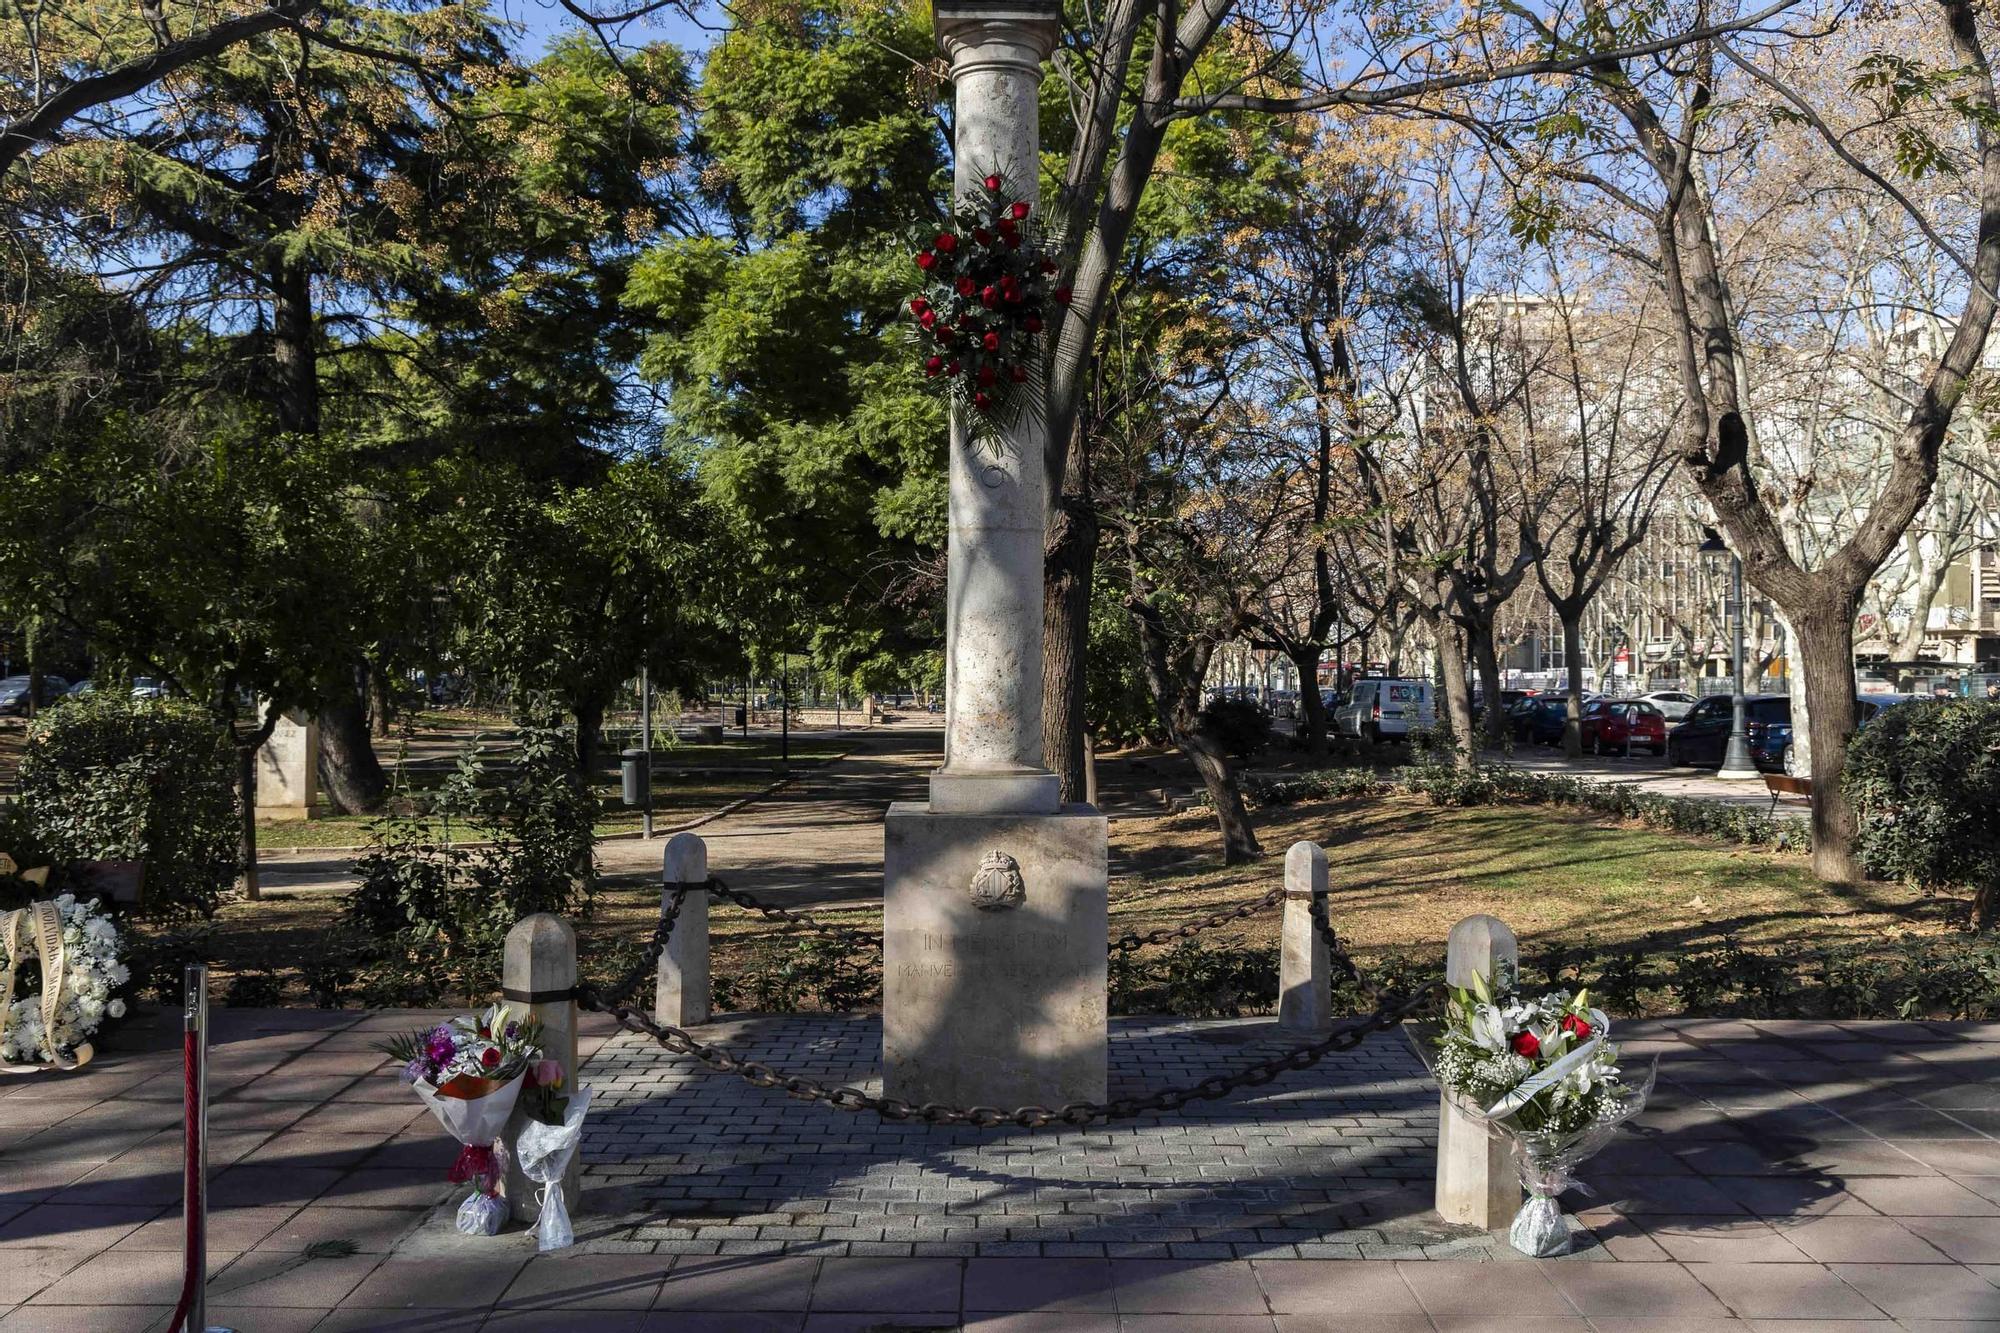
(1020, 33)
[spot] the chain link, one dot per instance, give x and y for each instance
(796, 920)
(1131, 940)
(1390, 1011)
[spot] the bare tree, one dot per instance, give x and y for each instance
(1662, 155)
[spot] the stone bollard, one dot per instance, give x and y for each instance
(1305, 970)
(1476, 1183)
(682, 997)
(539, 974)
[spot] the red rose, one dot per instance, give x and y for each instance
(1014, 241)
(1006, 226)
(918, 305)
(932, 365)
(951, 367)
(945, 243)
(1528, 1044)
(983, 236)
(926, 260)
(1010, 289)
(991, 341)
(986, 377)
(1032, 324)
(942, 333)
(1062, 295)
(993, 182)
(966, 286)
(1018, 211)
(1577, 1027)
(989, 297)
(1048, 266)
(490, 1057)
(928, 318)
(982, 401)
(1019, 374)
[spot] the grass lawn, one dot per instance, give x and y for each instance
(1402, 872)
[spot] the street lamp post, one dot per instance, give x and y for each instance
(1736, 761)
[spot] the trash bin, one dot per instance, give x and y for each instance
(632, 769)
(742, 716)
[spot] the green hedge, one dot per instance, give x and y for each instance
(1924, 778)
(1443, 784)
(105, 778)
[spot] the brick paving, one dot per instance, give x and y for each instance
(1802, 1176)
(1333, 1163)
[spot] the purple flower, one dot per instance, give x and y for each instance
(415, 1070)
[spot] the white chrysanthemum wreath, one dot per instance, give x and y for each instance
(83, 943)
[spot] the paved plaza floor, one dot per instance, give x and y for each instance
(1788, 1175)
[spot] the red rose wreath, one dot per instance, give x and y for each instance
(985, 298)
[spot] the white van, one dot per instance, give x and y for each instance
(1383, 709)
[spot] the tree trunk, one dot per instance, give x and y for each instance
(1930, 578)
(349, 772)
(1486, 659)
(246, 829)
(1457, 697)
(589, 722)
(1068, 570)
(1312, 709)
(381, 702)
(1225, 794)
(1824, 645)
(1572, 623)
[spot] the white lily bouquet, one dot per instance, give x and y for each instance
(1541, 1074)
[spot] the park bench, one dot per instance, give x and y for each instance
(1784, 784)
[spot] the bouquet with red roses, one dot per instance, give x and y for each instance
(471, 1071)
(1541, 1074)
(987, 292)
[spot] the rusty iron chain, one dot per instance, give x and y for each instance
(678, 1041)
(787, 917)
(1132, 940)
(846, 1098)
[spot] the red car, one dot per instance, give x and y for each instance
(1614, 726)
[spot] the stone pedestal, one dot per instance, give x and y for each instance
(993, 975)
(288, 770)
(1476, 1182)
(1305, 968)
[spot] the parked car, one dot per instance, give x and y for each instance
(145, 687)
(1538, 718)
(84, 687)
(1867, 707)
(14, 693)
(1702, 738)
(1617, 725)
(1383, 710)
(1673, 704)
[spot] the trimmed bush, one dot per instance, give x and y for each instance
(1924, 778)
(1444, 784)
(105, 778)
(434, 911)
(1240, 727)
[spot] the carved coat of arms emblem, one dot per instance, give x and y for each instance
(998, 882)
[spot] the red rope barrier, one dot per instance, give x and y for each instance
(192, 1275)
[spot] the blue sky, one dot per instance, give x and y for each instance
(544, 20)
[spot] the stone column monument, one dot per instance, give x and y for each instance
(288, 769)
(994, 902)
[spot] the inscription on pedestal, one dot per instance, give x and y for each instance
(984, 1007)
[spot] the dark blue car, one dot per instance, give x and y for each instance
(1539, 719)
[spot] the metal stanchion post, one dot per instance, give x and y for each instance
(192, 1313)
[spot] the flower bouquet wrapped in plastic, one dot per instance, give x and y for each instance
(470, 1072)
(544, 1150)
(1541, 1075)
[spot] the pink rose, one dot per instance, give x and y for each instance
(547, 1073)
